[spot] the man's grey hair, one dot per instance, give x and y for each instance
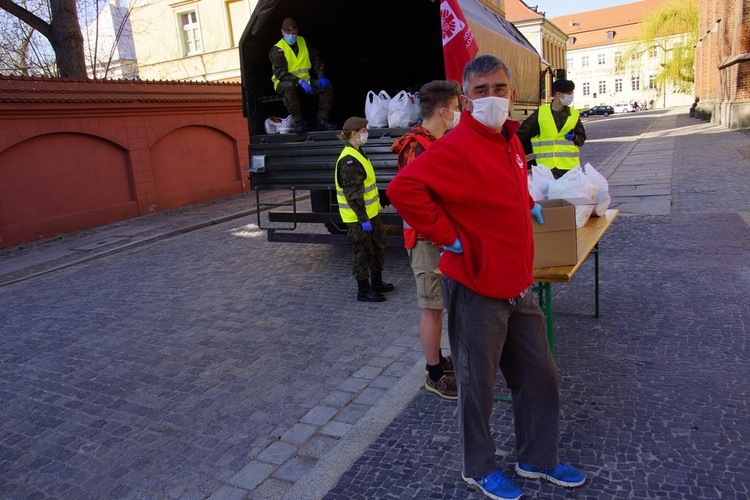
(483, 65)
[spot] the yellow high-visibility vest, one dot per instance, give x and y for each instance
(551, 148)
(371, 197)
(297, 64)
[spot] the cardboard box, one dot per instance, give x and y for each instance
(555, 241)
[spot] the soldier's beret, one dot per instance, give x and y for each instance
(355, 123)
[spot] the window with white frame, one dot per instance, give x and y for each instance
(652, 52)
(190, 33)
(569, 62)
(651, 82)
(635, 82)
(618, 58)
(586, 88)
(585, 61)
(601, 59)
(602, 87)
(618, 84)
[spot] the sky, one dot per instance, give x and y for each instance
(555, 8)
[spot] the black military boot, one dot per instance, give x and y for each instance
(323, 124)
(378, 284)
(367, 294)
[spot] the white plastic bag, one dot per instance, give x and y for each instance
(286, 125)
(272, 124)
(603, 198)
(534, 191)
(400, 110)
(376, 109)
(541, 176)
(575, 184)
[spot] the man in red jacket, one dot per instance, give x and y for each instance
(469, 193)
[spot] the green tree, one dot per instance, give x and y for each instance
(673, 29)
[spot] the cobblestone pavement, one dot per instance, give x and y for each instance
(211, 363)
(655, 392)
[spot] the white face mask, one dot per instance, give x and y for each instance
(362, 138)
(566, 99)
(456, 118)
(491, 111)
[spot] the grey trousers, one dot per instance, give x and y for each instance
(488, 333)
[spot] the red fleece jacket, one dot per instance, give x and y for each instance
(472, 184)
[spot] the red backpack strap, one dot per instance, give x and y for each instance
(424, 141)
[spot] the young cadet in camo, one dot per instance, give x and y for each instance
(359, 206)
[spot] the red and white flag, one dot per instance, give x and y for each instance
(459, 45)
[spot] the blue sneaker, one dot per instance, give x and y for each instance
(564, 474)
(496, 485)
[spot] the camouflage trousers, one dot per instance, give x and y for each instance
(368, 248)
(291, 93)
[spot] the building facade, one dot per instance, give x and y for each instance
(597, 43)
(546, 37)
(189, 40)
(722, 62)
(108, 44)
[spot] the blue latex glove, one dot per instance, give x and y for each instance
(537, 213)
(306, 87)
(367, 226)
(324, 82)
(570, 136)
(456, 247)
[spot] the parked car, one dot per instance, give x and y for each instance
(599, 110)
(624, 107)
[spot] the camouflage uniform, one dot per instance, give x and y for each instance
(368, 247)
(289, 88)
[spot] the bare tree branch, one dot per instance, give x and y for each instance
(24, 15)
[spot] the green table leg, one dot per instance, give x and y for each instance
(544, 291)
(596, 280)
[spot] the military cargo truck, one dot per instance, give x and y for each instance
(390, 45)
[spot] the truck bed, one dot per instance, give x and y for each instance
(302, 163)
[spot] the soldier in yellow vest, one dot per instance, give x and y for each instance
(359, 205)
(292, 60)
(555, 131)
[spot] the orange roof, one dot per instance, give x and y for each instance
(590, 28)
(517, 10)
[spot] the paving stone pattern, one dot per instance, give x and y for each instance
(655, 392)
(212, 364)
(208, 360)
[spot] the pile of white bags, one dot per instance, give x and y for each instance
(578, 182)
(383, 111)
(376, 109)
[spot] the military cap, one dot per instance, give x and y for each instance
(289, 24)
(563, 86)
(354, 123)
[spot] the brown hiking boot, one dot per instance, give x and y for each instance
(447, 367)
(445, 387)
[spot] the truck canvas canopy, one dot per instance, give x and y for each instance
(389, 45)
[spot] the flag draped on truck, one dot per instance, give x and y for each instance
(459, 45)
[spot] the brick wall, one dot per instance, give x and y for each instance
(76, 154)
(722, 62)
